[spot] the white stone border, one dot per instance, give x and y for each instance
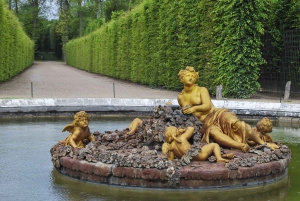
(140, 105)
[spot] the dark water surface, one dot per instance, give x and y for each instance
(27, 173)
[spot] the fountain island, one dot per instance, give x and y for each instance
(196, 146)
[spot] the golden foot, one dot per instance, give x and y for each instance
(272, 146)
(245, 148)
(228, 156)
(222, 160)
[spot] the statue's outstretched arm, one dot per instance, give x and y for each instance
(134, 125)
(254, 136)
(189, 131)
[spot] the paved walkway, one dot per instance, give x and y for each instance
(57, 80)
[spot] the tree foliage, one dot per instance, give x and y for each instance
(148, 42)
(17, 49)
(155, 40)
(148, 45)
(283, 16)
(237, 54)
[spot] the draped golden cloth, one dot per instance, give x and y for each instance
(226, 122)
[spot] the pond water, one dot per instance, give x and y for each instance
(27, 173)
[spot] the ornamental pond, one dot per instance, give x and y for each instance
(27, 173)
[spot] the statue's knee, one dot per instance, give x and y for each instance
(215, 131)
(214, 144)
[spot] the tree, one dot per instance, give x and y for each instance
(9, 4)
(62, 28)
(31, 13)
(13, 5)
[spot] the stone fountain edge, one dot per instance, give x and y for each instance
(198, 175)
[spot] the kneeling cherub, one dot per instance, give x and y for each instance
(80, 133)
(177, 145)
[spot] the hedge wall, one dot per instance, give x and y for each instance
(150, 44)
(16, 49)
(236, 59)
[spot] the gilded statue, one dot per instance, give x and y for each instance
(177, 146)
(263, 128)
(80, 133)
(219, 124)
(134, 125)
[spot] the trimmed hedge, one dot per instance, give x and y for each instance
(236, 59)
(150, 44)
(17, 50)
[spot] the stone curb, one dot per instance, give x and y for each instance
(208, 176)
(285, 111)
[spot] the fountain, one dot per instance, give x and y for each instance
(208, 148)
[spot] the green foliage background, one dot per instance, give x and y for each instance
(237, 54)
(283, 17)
(150, 44)
(17, 50)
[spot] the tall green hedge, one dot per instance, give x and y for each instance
(16, 49)
(237, 54)
(150, 44)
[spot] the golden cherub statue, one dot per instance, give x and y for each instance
(263, 128)
(177, 145)
(220, 124)
(80, 133)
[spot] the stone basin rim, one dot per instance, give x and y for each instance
(110, 174)
(283, 180)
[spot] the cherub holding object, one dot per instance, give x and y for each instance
(80, 133)
(177, 145)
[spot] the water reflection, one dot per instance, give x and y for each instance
(28, 174)
(77, 190)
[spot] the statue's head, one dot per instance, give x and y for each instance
(264, 126)
(80, 116)
(171, 134)
(190, 70)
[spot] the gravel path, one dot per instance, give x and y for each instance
(58, 80)
(51, 79)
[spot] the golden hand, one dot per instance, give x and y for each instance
(272, 146)
(188, 110)
(130, 132)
